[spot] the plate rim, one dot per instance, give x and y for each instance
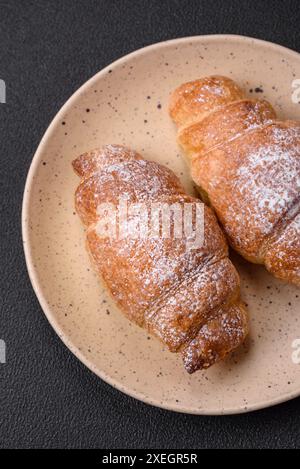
(27, 245)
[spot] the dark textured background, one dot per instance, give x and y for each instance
(47, 50)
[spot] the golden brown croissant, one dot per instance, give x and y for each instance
(188, 298)
(247, 165)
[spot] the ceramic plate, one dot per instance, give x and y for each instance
(127, 103)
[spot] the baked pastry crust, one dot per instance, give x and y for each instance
(247, 165)
(188, 298)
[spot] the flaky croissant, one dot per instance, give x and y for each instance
(247, 166)
(188, 298)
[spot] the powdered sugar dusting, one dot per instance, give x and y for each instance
(269, 178)
(158, 282)
(248, 165)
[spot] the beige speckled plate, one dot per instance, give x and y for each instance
(127, 103)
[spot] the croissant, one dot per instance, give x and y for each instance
(187, 298)
(247, 166)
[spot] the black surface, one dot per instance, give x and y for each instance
(47, 50)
